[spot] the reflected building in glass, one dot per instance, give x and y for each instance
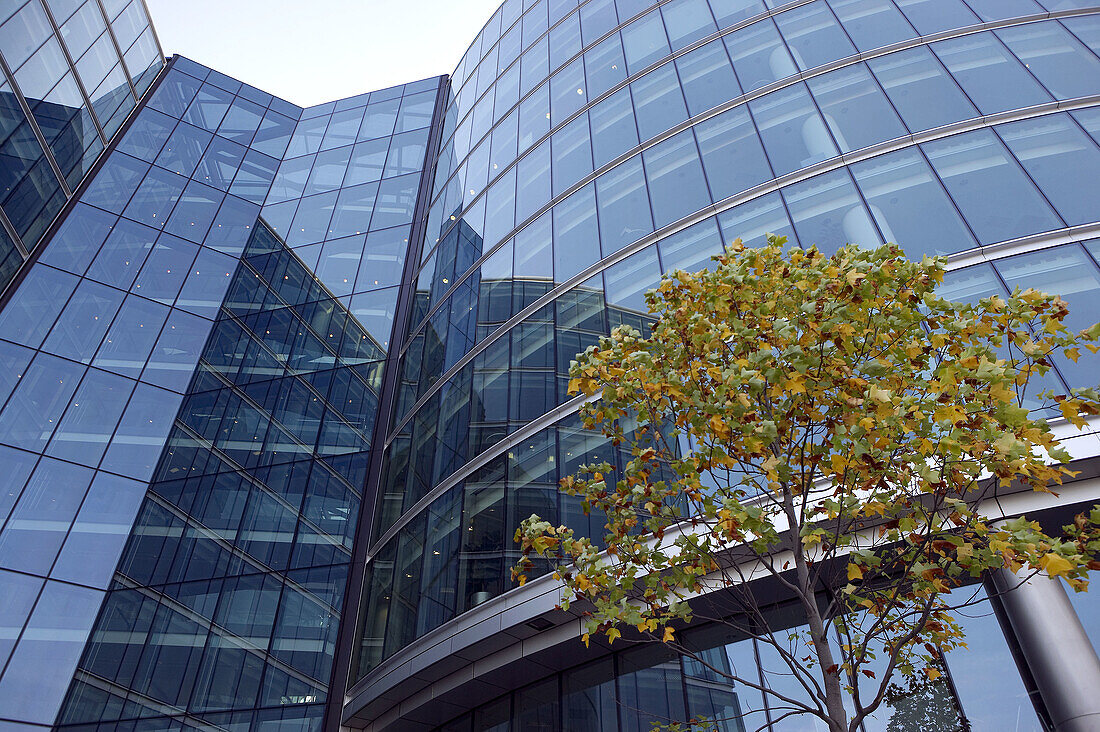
(279, 383)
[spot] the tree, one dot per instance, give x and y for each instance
(843, 425)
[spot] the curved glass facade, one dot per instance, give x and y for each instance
(587, 148)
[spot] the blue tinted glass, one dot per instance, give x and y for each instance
(733, 157)
(658, 101)
(84, 321)
(147, 135)
(54, 639)
(751, 221)
(613, 128)
(575, 231)
(813, 35)
(931, 16)
(416, 112)
(307, 137)
(220, 163)
(604, 66)
(17, 595)
(353, 212)
(368, 160)
(375, 311)
(91, 418)
(675, 177)
(1067, 271)
(207, 281)
(872, 23)
(407, 152)
(175, 94)
(165, 269)
(644, 42)
(567, 93)
(626, 282)
(328, 170)
(922, 92)
(793, 132)
(338, 264)
(533, 176)
(623, 206)
(254, 177)
(990, 76)
(909, 205)
(135, 447)
(13, 362)
(571, 153)
(241, 121)
(759, 55)
(597, 18)
(992, 192)
(122, 255)
(827, 212)
(195, 211)
(707, 77)
(131, 337)
(232, 226)
(383, 259)
(1058, 156)
(290, 181)
(396, 201)
(687, 21)
(534, 118)
(177, 351)
(856, 110)
(343, 128)
(78, 239)
(32, 412)
(274, 134)
(312, 219)
(27, 317)
(692, 248)
(379, 120)
(184, 149)
(115, 182)
(1056, 58)
(999, 9)
(155, 197)
(208, 108)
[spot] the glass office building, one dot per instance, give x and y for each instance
(279, 383)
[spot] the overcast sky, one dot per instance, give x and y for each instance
(313, 51)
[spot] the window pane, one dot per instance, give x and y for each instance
(991, 76)
(687, 21)
(751, 221)
(813, 35)
(872, 23)
(623, 206)
(675, 176)
(1057, 59)
(857, 111)
(571, 154)
(923, 93)
(1058, 156)
(91, 418)
(658, 101)
(613, 128)
(909, 205)
(707, 77)
(759, 56)
(827, 212)
(793, 133)
(932, 16)
(993, 193)
(84, 321)
(575, 233)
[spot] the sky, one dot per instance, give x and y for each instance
(314, 51)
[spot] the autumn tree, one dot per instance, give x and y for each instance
(826, 422)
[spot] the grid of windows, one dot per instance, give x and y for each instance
(345, 193)
(98, 344)
(72, 73)
(226, 601)
(560, 205)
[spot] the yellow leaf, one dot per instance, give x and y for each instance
(932, 673)
(1055, 564)
(855, 572)
(1073, 354)
(612, 634)
(669, 636)
(1071, 412)
(882, 396)
(1001, 393)
(854, 278)
(719, 427)
(585, 639)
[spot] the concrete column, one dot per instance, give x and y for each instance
(1056, 649)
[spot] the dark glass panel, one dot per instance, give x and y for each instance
(33, 535)
(675, 178)
(707, 77)
(84, 321)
